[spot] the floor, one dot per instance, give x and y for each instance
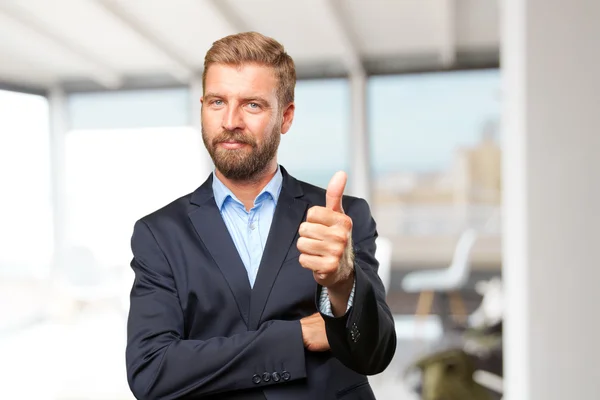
(51, 360)
(45, 359)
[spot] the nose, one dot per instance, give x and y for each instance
(233, 119)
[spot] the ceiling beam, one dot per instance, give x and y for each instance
(351, 56)
(180, 68)
(229, 16)
(100, 72)
(448, 33)
(21, 88)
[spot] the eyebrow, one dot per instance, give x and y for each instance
(210, 94)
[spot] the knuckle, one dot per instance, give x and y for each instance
(332, 264)
(301, 243)
(302, 229)
(313, 213)
(347, 222)
(337, 251)
(303, 259)
(341, 236)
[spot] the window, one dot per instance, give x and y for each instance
(317, 144)
(436, 160)
(115, 177)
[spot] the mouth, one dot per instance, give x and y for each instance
(231, 145)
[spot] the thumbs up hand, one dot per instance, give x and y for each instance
(325, 241)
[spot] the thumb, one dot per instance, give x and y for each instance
(335, 191)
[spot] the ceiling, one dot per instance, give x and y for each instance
(111, 44)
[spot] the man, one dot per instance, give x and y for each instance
(256, 285)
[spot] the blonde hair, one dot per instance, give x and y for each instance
(253, 47)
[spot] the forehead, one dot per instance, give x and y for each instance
(244, 80)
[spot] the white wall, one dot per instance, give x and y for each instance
(551, 88)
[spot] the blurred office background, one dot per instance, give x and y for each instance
(99, 125)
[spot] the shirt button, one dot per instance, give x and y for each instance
(253, 226)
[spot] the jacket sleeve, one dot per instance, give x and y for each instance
(364, 339)
(161, 364)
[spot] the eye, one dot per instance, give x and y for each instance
(217, 102)
(254, 106)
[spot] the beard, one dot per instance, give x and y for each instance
(246, 163)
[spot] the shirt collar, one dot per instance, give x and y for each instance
(222, 192)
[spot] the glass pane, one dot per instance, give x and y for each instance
(115, 177)
(317, 144)
(132, 109)
(436, 160)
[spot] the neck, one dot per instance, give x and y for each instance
(247, 190)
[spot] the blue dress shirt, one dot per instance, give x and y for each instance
(249, 229)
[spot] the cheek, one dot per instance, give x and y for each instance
(210, 119)
(260, 127)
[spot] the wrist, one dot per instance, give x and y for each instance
(339, 294)
(343, 285)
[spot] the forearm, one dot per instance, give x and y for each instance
(363, 339)
(168, 368)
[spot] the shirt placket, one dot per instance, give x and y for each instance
(254, 241)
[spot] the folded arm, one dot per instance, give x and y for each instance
(162, 364)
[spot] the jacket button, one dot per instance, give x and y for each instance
(256, 379)
(266, 377)
(276, 377)
(286, 375)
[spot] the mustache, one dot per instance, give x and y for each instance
(236, 136)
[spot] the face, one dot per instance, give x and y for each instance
(242, 119)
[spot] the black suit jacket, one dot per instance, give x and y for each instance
(196, 328)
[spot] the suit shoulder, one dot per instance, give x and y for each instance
(316, 196)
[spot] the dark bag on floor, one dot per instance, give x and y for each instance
(448, 375)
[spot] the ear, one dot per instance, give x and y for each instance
(288, 117)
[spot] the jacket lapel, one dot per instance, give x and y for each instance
(289, 213)
(213, 232)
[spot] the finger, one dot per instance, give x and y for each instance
(335, 191)
(324, 248)
(327, 217)
(319, 264)
(324, 279)
(312, 247)
(336, 237)
(312, 318)
(316, 318)
(337, 233)
(313, 230)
